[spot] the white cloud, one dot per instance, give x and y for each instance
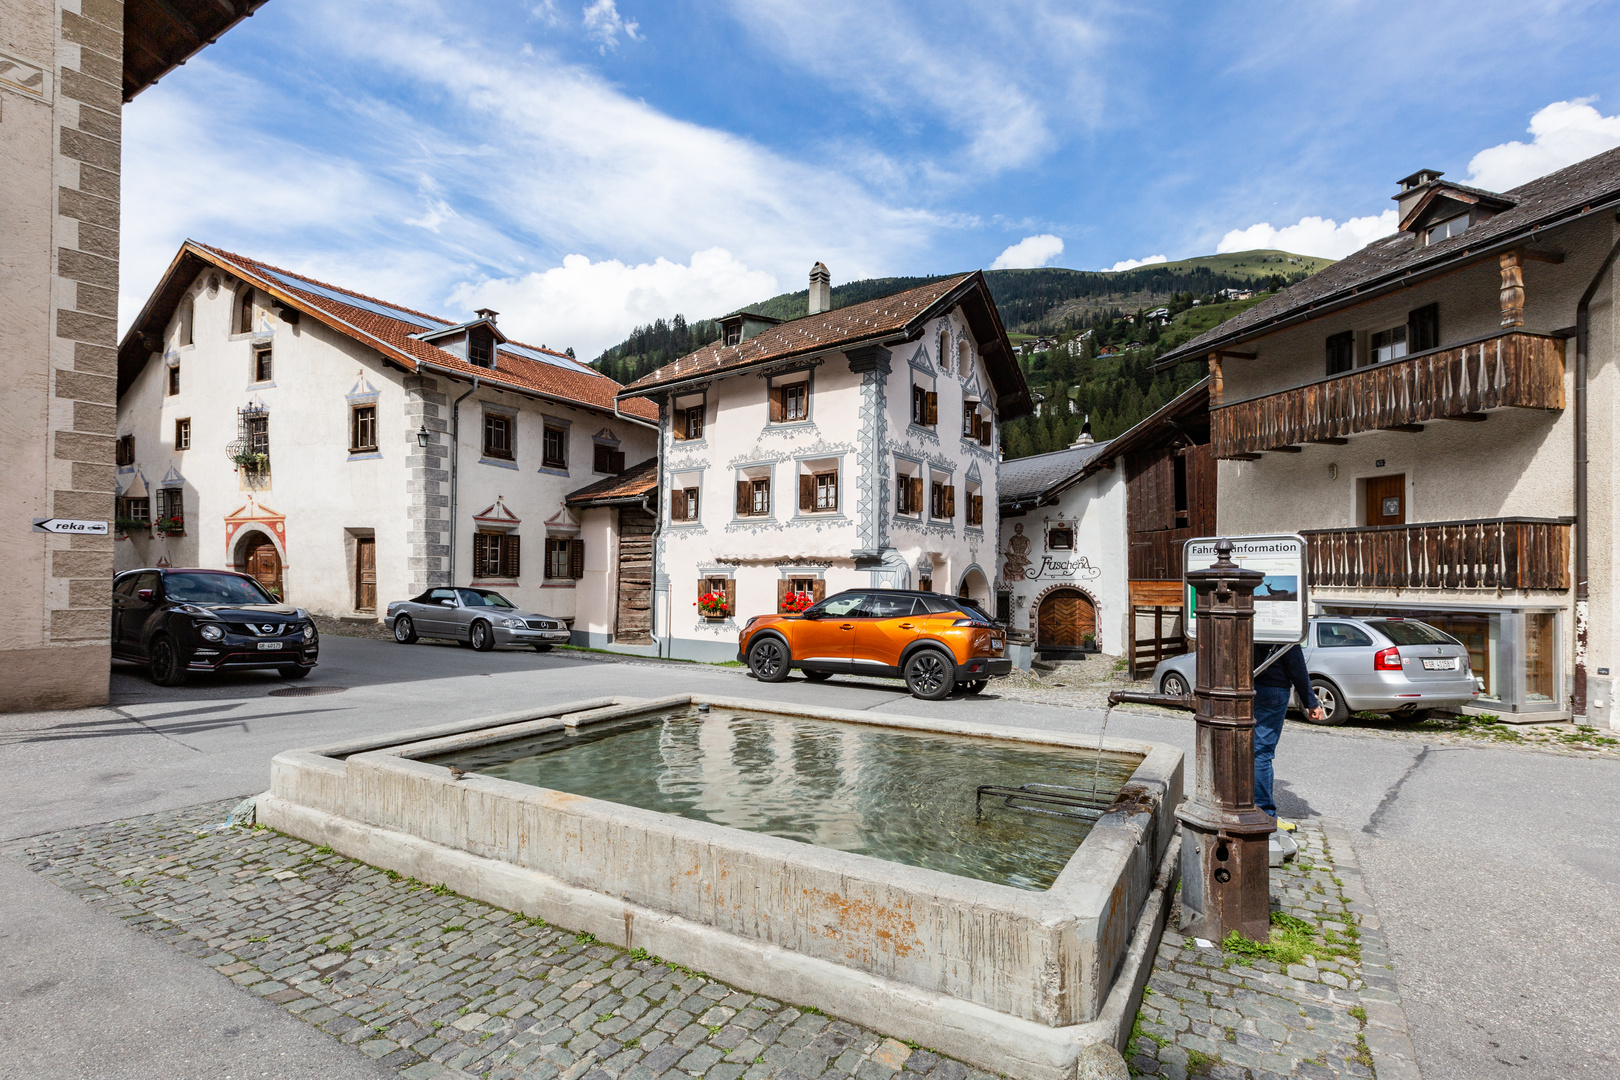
(1029, 252)
(1564, 132)
(589, 305)
(1132, 264)
(604, 24)
(1322, 237)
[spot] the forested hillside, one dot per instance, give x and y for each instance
(1105, 342)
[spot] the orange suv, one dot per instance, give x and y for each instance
(934, 642)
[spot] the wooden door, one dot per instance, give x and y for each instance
(633, 617)
(365, 573)
(1066, 617)
(264, 566)
(1386, 500)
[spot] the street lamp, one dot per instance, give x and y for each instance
(423, 436)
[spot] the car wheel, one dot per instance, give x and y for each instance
(541, 646)
(1175, 685)
(768, 659)
(1334, 709)
(165, 666)
(930, 675)
(817, 676)
(292, 671)
(482, 637)
(976, 686)
(405, 630)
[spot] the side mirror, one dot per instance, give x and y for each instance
(143, 594)
(448, 603)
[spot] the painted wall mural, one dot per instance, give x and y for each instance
(1016, 562)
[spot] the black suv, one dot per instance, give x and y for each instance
(180, 621)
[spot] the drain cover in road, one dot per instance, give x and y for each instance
(306, 691)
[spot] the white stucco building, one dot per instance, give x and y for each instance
(348, 452)
(854, 447)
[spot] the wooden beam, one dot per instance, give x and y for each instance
(1217, 384)
(1469, 417)
(1231, 355)
(1554, 257)
(1414, 428)
(1243, 457)
(1330, 441)
(186, 27)
(1284, 450)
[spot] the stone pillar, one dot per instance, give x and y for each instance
(1225, 867)
(60, 96)
(427, 534)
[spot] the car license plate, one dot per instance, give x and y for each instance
(1447, 664)
(267, 646)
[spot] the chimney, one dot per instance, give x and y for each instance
(486, 313)
(820, 289)
(1085, 438)
(1413, 188)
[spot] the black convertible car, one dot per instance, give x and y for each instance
(180, 621)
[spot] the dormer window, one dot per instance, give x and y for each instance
(481, 347)
(734, 333)
(1444, 229)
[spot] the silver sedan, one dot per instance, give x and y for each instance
(480, 618)
(1386, 664)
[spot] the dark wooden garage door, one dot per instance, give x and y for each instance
(1066, 617)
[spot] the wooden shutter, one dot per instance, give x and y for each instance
(931, 404)
(576, 559)
(509, 556)
(819, 593)
(677, 505)
(778, 410)
(731, 596)
(978, 509)
(783, 587)
(807, 492)
(915, 506)
(745, 498)
(1423, 328)
(987, 431)
(478, 554)
(950, 500)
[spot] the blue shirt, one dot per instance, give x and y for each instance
(1288, 671)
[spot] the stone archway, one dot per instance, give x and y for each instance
(258, 557)
(1064, 617)
(974, 586)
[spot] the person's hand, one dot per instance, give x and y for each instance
(1317, 715)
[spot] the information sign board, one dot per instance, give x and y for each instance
(1280, 603)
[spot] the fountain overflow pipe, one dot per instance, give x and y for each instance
(1583, 335)
(455, 454)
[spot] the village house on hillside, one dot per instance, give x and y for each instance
(348, 452)
(854, 447)
(1437, 415)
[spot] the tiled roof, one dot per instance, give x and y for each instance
(628, 486)
(1030, 477)
(388, 328)
(1537, 205)
(813, 333)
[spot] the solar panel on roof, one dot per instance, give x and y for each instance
(354, 301)
(547, 358)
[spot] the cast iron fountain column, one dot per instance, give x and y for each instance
(1225, 844)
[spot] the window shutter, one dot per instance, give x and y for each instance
(987, 431)
(576, 559)
(745, 498)
(677, 505)
(783, 587)
(616, 461)
(978, 509)
(478, 555)
(820, 592)
(915, 506)
(807, 492)
(731, 596)
(510, 567)
(950, 500)
(932, 405)
(777, 408)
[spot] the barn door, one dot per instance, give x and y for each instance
(365, 573)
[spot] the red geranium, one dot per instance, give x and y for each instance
(793, 602)
(713, 603)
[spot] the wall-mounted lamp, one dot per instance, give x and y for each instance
(423, 436)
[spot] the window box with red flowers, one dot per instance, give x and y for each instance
(795, 602)
(717, 598)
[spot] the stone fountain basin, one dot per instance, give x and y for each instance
(1011, 980)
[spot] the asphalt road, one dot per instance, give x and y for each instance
(1496, 871)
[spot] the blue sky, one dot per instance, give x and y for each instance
(587, 166)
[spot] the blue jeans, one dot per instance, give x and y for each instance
(1270, 703)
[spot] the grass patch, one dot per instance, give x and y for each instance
(261, 937)
(324, 849)
(1359, 1013)
(1292, 939)
(1363, 1054)
(441, 889)
(585, 939)
(453, 929)
(1200, 1063)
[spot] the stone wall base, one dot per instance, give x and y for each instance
(55, 677)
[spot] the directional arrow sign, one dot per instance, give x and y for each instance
(74, 526)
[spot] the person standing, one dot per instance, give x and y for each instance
(1272, 688)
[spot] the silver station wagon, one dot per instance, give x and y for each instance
(1384, 664)
(479, 618)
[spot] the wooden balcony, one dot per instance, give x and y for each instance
(1461, 382)
(1502, 553)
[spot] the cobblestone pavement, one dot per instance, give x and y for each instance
(1319, 1002)
(436, 985)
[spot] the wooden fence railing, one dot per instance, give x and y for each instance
(1514, 368)
(1504, 553)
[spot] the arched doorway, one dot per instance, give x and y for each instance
(975, 587)
(257, 557)
(1067, 617)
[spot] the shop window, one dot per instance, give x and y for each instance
(554, 448)
(182, 433)
(498, 436)
(1540, 658)
(495, 555)
(362, 428)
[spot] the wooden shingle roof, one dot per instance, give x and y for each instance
(628, 487)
